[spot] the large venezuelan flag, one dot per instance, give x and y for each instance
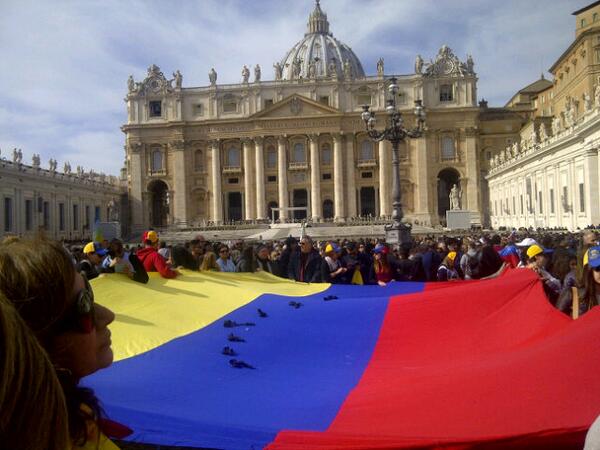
(445, 365)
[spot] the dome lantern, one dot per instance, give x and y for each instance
(317, 21)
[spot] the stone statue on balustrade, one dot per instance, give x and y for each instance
(178, 79)
(17, 156)
(312, 69)
(333, 68)
(543, 133)
(35, 161)
(470, 65)
(556, 125)
(245, 74)
(113, 210)
(597, 95)
(347, 70)
(278, 71)
(455, 197)
(587, 102)
(52, 165)
(79, 171)
(212, 76)
(570, 112)
(380, 67)
(130, 84)
(67, 168)
(257, 73)
(296, 67)
(419, 65)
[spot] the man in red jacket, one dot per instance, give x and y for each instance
(151, 259)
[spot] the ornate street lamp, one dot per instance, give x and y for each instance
(398, 231)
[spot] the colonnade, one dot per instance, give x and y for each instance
(344, 182)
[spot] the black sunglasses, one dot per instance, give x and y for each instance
(80, 315)
(596, 269)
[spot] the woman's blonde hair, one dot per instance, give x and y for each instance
(33, 411)
(209, 262)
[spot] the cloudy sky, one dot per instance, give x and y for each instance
(64, 64)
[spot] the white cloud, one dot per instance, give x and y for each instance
(65, 64)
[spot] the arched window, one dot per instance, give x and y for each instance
(271, 157)
(299, 153)
(157, 160)
(366, 151)
(233, 157)
(199, 161)
(448, 150)
(326, 154)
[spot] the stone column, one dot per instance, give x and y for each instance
(137, 170)
(338, 178)
(423, 209)
(315, 178)
(261, 206)
(282, 177)
(592, 186)
(179, 197)
(249, 206)
(385, 183)
(217, 198)
(350, 180)
(472, 165)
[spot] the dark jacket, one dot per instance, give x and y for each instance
(309, 272)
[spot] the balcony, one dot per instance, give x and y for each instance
(157, 173)
(232, 169)
(366, 163)
(298, 165)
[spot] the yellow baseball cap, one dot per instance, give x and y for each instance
(534, 250)
(150, 236)
(451, 256)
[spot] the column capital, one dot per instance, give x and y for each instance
(337, 137)
(313, 136)
(246, 141)
(176, 144)
(282, 139)
(214, 143)
(258, 140)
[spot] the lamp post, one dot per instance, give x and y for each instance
(395, 132)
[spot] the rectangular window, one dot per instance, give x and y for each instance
(581, 198)
(229, 105)
(233, 180)
(327, 176)
(272, 179)
(565, 199)
(541, 202)
(324, 99)
(8, 214)
(514, 210)
(551, 201)
(446, 94)
(75, 217)
(61, 217)
(271, 159)
(46, 215)
(268, 102)
(96, 214)
(155, 108)
(198, 109)
(28, 215)
(366, 174)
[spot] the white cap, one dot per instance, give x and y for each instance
(526, 242)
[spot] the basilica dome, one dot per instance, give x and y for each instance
(319, 54)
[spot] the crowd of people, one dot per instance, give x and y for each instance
(52, 333)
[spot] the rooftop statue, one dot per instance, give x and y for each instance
(212, 76)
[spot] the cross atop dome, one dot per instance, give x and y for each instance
(317, 21)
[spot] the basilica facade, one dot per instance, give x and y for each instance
(251, 151)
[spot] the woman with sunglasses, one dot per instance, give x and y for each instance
(28, 383)
(588, 294)
(57, 303)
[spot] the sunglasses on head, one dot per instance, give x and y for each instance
(80, 315)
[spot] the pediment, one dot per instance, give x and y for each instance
(295, 106)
